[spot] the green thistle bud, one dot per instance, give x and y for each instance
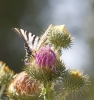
(75, 81)
(23, 88)
(59, 36)
(5, 73)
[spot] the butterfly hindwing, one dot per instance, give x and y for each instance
(43, 38)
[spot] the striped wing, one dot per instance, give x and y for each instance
(31, 41)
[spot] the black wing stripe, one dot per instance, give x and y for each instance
(33, 39)
(27, 35)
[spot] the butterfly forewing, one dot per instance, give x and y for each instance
(30, 40)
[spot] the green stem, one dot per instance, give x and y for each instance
(48, 90)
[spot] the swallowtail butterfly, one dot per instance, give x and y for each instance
(31, 41)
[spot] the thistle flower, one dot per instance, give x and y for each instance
(23, 87)
(45, 57)
(75, 81)
(59, 37)
(46, 66)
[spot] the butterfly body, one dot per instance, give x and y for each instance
(31, 42)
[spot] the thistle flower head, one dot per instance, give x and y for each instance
(46, 74)
(5, 73)
(23, 86)
(45, 57)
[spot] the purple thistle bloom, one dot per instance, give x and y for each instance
(45, 57)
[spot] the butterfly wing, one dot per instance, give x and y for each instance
(44, 37)
(31, 41)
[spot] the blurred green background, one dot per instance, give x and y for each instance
(35, 16)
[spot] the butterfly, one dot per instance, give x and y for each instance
(32, 42)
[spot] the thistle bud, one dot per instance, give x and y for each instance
(60, 37)
(75, 81)
(5, 73)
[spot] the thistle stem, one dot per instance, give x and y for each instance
(48, 91)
